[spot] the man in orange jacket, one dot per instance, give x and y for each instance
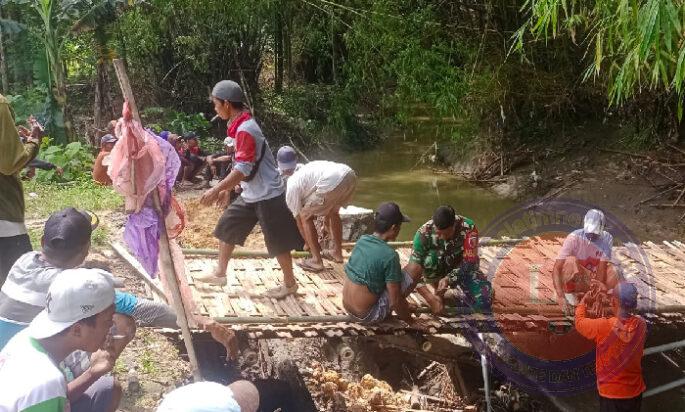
(620, 342)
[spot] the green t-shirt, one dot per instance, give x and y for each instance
(373, 263)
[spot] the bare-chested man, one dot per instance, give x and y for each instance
(376, 284)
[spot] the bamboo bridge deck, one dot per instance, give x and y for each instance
(520, 273)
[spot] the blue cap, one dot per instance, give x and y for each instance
(287, 158)
(164, 134)
(626, 293)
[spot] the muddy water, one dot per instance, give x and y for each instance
(393, 171)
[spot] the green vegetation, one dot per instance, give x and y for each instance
(44, 198)
(496, 74)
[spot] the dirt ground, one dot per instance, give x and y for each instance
(614, 182)
(201, 221)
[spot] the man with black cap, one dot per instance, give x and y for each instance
(620, 343)
(445, 253)
(584, 256)
(262, 198)
(376, 285)
(79, 306)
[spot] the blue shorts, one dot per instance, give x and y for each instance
(382, 309)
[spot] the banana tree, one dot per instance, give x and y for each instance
(52, 24)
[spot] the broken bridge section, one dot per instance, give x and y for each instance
(521, 276)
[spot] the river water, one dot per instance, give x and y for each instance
(392, 172)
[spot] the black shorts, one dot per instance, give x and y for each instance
(620, 405)
(278, 225)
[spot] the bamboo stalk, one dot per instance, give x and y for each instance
(164, 250)
(246, 253)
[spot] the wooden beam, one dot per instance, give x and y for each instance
(139, 271)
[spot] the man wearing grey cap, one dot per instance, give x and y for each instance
(262, 198)
(584, 256)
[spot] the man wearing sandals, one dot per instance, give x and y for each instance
(262, 198)
(320, 188)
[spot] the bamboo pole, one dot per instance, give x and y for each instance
(164, 250)
(245, 253)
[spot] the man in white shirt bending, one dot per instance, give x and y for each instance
(320, 188)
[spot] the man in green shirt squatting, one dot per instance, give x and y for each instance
(376, 284)
(445, 253)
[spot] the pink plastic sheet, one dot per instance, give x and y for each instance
(135, 167)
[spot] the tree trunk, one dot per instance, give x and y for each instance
(103, 107)
(288, 47)
(3, 63)
(278, 50)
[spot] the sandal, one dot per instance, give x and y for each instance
(306, 265)
(281, 292)
(328, 255)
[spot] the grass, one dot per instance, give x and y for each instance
(42, 199)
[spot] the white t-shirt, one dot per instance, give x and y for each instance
(589, 253)
(29, 378)
(319, 176)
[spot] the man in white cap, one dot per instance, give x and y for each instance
(262, 198)
(78, 316)
(240, 396)
(584, 256)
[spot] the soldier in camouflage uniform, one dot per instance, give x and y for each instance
(445, 253)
